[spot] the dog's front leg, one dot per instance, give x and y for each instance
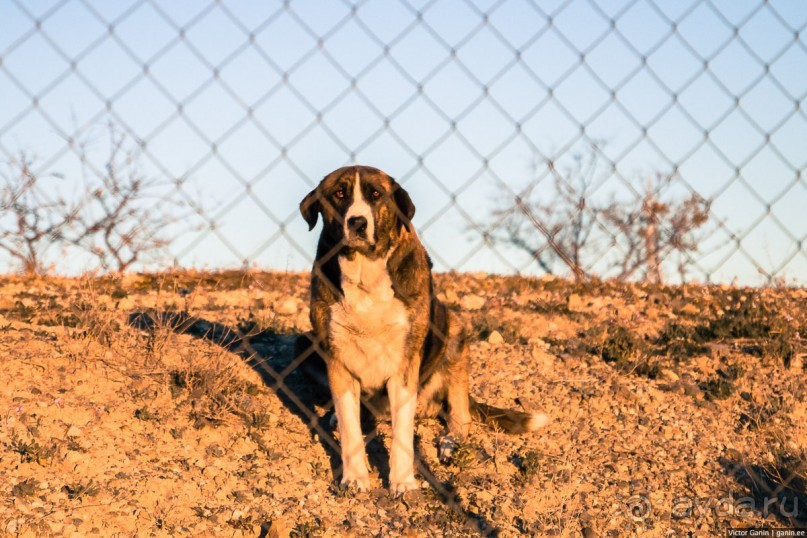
(345, 390)
(402, 392)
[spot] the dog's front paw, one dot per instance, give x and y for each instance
(398, 488)
(446, 449)
(355, 482)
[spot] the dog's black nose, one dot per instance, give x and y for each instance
(357, 225)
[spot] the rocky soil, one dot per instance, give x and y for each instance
(160, 405)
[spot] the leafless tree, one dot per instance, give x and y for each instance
(30, 220)
(122, 219)
(566, 224)
(651, 231)
(560, 226)
(118, 215)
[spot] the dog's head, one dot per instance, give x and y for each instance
(362, 208)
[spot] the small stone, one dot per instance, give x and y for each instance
(289, 306)
(73, 457)
(798, 362)
(278, 529)
(575, 302)
(472, 302)
(691, 309)
(495, 338)
(13, 525)
(215, 450)
(484, 496)
(74, 431)
(669, 375)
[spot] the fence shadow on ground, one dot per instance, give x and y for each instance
(286, 365)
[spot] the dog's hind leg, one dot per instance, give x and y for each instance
(457, 399)
(456, 374)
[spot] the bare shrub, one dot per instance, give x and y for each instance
(216, 391)
(567, 224)
(124, 216)
(564, 225)
(120, 216)
(652, 231)
(31, 221)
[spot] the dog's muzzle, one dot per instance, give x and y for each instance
(357, 233)
(357, 227)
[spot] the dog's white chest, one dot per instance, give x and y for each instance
(369, 325)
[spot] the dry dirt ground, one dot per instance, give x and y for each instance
(169, 405)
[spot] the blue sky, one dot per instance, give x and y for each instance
(253, 102)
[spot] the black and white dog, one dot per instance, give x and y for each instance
(379, 328)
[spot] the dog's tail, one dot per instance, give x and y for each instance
(508, 420)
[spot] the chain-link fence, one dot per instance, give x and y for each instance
(593, 111)
(635, 139)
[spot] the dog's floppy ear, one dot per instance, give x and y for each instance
(310, 208)
(406, 209)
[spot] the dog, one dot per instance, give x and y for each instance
(380, 337)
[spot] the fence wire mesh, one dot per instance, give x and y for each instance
(471, 105)
(637, 139)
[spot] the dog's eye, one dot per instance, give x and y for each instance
(375, 194)
(340, 193)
